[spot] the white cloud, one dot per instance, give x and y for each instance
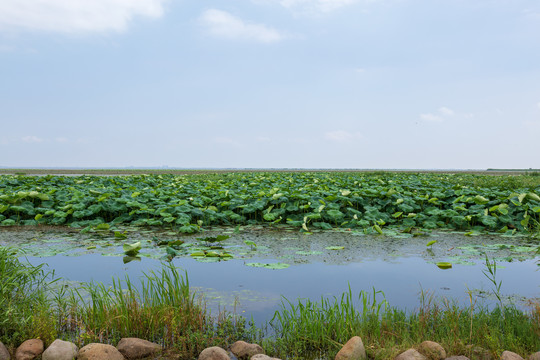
(342, 136)
(61, 139)
(70, 16)
(222, 24)
(446, 111)
(31, 139)
(318, 5)
(431, 117)
(538, 104)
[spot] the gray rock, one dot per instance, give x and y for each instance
(460, 357)
(214, 353)
(243, 350)
(535, 356)
(30, 349)
(95, 351)
(4, 353)
(508, 355)
(134, 348)
(353, 350)
(410, 354)
(432, 350)
(60, 350)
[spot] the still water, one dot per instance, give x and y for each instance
(401, 268)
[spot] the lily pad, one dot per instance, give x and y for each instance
(444, 265)
(273, 266)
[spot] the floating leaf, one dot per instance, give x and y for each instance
(273, 266)
(335, 247)
(431, 243)
(444, 265)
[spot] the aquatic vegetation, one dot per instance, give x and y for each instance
(372, 203)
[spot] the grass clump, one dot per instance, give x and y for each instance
(24, 306)
(163, 311)
(311, 330)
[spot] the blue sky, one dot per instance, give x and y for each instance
(270, 83)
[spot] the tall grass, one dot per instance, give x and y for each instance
(24, 306)
(162, 309)
(314, 330)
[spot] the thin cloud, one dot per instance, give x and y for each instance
(538, 104)
(446, 111)
(31, 139)
(429, 117)
(318, 5)
(73, 16)
(443, 113)
(224, 25)
(342, 136)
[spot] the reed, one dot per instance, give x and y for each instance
(317, 330)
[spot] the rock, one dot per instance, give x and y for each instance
(214, 353)
(352, 350)
(4, 353)
(460, 357)
(508, 355)
(30, 349)
(410, 354)
(95, 351)
(535, 356)
(244, 350)
(134, 348)
(60, 350)
(432, 350)
(262, 357)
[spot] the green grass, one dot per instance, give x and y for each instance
(24, 306)
(311, 330)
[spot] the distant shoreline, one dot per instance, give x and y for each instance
(176, 171)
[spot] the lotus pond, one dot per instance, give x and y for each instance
(249, 269)
(246, 239)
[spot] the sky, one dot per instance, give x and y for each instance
(385, 84)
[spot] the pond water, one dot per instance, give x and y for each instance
(399, 267)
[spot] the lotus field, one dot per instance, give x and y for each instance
(379, 202)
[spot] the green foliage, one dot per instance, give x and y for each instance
(375, 202)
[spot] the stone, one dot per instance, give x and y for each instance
(432, 350)
(4, 353)
(535, 356)
(30, 349)
(60, 350)
(508, 355)
(95, 351)
(262, 357)
(352, 350)
(460, 357)
(243, 350)
(410, 354)
(134, 348)
(214, 353)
